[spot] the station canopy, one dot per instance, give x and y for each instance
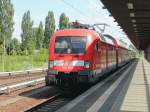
(134, 18)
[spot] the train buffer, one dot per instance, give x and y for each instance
(126, 90)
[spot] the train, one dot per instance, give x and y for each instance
(82, 56)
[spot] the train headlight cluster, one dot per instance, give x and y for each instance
(87, 64)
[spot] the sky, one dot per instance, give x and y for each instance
(85, 11)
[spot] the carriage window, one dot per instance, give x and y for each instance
(70, 44)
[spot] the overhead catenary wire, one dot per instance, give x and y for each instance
(102, 30)
(83, 14)
(76, 9)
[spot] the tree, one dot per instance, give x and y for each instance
(49, 28)
(15, 47)
(6, 23)
(40, 36)
(35, 32)
(28, 41)
(63, 21)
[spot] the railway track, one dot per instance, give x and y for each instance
(12, 81)
(59, 100)
(9, 88)
(25, 72)
(51, 105)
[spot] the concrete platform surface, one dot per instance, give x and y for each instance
(137, 98)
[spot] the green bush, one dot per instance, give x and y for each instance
(23, 62)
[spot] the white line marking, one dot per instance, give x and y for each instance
(74, 102)
(101, 100)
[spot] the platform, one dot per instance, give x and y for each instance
(125, 92)
(137, 98)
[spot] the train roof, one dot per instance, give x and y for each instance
(119, 43)
(124, 44)
(109, 39)
(85, 32)
(106, 38)
(75, 31)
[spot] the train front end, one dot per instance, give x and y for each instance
(69, 58)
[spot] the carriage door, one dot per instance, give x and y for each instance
(97, 55)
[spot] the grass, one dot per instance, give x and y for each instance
(22, 62)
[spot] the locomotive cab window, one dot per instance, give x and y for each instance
(70, 44)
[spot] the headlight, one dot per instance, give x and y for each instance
(51, 64)
(87, 64)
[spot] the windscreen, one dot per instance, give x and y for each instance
(70, 44)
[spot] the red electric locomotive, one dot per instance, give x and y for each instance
(82, 56)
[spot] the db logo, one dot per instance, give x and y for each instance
(66, 63)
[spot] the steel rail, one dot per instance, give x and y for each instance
(52, 104)
(25, 72)
(8, 89)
